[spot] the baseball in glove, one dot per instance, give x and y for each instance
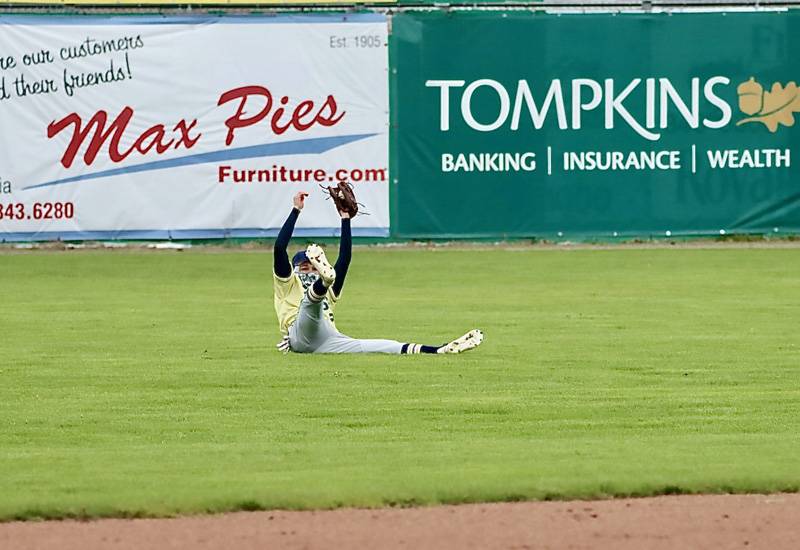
(344, 198)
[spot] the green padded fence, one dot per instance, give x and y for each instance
(514, 124)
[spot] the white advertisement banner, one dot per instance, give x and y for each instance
(190, 127)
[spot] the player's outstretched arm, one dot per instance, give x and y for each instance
(282, 266)
(345, 254)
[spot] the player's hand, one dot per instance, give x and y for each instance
(299, 200)
(283, 345)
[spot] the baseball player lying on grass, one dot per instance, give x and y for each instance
(306, 292)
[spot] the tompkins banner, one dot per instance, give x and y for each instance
(137, 127)
(607, 125)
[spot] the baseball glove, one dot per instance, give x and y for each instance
(344, 198)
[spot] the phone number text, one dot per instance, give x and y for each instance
(39, 211)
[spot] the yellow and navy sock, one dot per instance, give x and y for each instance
(317, 291)
(316, 295)
(418, 348)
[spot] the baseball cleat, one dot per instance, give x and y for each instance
(317, 258)
(470, 340)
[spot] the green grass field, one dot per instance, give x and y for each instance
(147, 383)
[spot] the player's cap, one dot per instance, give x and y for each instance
(299, 258)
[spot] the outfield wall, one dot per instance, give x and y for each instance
(504, 123)
(149, 127)
(595, 124)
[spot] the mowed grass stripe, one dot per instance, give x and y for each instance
(141, 383)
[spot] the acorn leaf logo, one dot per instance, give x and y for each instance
(771, 108)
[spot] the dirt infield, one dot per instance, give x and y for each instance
(708, 522)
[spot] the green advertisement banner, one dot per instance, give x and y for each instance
(465, 3)
(524, 124)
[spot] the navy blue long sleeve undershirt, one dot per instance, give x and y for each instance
(345, 255)
(282, 266)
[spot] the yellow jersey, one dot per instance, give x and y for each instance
(288, 295)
